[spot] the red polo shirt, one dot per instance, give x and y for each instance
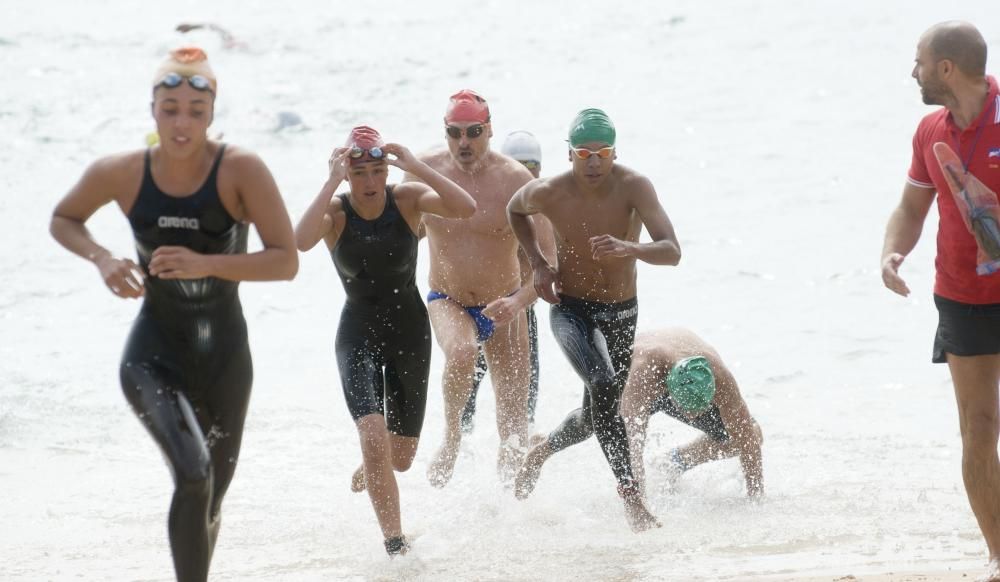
(956, 247)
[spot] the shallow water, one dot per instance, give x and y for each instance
(777, 136)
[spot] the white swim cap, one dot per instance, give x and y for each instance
(522, 146)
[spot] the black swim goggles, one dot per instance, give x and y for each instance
(471, 132)
(174, 80)
(374, 153)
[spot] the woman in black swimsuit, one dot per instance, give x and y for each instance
(383, 341)
(186, 370)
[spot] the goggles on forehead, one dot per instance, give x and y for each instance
(471, 132)
(584, 153)
(374, 153)
(197, 82)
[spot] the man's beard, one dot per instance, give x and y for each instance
(933, 93)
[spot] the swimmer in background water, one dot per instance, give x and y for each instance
(229, 41)
(186, 370)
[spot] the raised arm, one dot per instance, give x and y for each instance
(317, 222)
(522, 205)
(902, 233)
(99, 185)
(262, 204)
(434, 193)
(743, 429)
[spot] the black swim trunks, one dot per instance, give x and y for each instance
(965, 329)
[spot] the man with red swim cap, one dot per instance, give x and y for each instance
(476, 297)
(951, 71)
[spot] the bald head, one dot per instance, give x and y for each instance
(959, 42)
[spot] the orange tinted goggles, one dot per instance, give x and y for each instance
(584, 153)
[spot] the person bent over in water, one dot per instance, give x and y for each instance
(676, 372)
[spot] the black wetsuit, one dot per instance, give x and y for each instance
(384, 338)
(186, 370)
(597, 338)
(709, 422)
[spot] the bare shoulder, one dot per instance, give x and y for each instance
(242, 159)
(434, 157)
(407, 193)
(336, 206)
(510, 167)
(117, 163)
(116, 173)
(633, 180)
(539, 191)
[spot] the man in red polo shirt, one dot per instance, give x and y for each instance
(951, 71)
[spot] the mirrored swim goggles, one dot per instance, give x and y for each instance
(358, 152)
(530, 164)
(174, 80)
(603, 153)
(471, 132)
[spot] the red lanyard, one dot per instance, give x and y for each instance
(975, 140)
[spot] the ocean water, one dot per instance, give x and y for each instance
(777, 135)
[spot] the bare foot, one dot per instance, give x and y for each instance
(358, 479)
(509, 458)
(443, 466)
(531, 468)
(638, 516)
(992, 571)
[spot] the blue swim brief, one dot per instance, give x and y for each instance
(484, 325)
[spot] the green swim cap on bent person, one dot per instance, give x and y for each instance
(591, 125)
(691, 384)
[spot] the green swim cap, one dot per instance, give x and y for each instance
(591, 125)
(691, 384)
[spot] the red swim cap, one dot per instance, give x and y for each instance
(364, 138)
(467, 105)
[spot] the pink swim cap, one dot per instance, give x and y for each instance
(366, 139)
(467, 105)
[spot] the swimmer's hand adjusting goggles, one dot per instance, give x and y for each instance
(374, 153)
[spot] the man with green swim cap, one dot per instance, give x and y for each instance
(597, 210)
(591, 125)
(698, 390)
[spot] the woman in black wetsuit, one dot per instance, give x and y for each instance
(383, 341)
(186, 370)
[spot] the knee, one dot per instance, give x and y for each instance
(601, 381)
(402, 463)
(194, 481)
(462, 352)
(372, 433)
(979, 434)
